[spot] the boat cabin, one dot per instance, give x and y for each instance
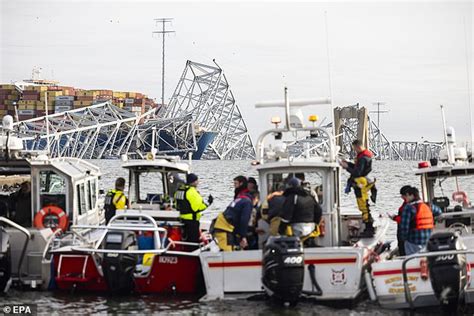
(164, 174)
(449, 186)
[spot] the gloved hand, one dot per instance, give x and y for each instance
(210, 199)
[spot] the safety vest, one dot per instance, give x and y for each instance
(183, 205)
(424, 217)
(115, 199)
(368, 167)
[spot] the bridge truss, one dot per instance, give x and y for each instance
(204, 92)
(106, 131)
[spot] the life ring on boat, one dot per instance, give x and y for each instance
(51, 210)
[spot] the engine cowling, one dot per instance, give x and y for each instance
(119, 268)
(448, 273)
(283, 268)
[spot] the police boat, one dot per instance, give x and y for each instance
(441, 273)
(40, 198)
(332, 269)
(141, 250)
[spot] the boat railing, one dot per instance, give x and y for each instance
(327, 140)
(407, 259)
(25, 245)
(48, 243)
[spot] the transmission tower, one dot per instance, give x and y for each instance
(163, 23)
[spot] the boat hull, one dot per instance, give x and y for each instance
(168, 274)
(338, 272)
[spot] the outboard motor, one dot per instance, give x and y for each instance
(118, 268)
(448, 273)
(283, 268)
(5, 261)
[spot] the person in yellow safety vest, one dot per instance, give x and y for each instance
(115, 200)
(190, 204)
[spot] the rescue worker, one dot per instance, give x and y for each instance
(240, 185)
(22, 200)
(190, 204)
(359, 170)
(417, 222)
(115, 200)
(274, 208)
(301, 213)
(231, 226)
(398, 219)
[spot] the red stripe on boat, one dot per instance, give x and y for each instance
(234, 264)
(239, 264)
(396, 271)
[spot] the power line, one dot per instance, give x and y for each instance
(379, 138)
(163, 22)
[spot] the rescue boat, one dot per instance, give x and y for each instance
(40, 198)
(441, 273)
(332, 271)
(141, 249)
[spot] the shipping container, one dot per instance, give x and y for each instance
(65, 97)
(26, 112)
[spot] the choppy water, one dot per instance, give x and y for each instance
(216, 178)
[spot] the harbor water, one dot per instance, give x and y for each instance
(216, 179)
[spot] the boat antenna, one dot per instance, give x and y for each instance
(47, 121)
(163, 22)
(468, 77)
(329, 68)
(445, 132)
(287, 109)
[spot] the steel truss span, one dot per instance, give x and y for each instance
(106, 131)
(204, 92)
(352, 122)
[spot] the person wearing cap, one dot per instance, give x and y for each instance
(398, 218)
(301, 213)
(190, 204)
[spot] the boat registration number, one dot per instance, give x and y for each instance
(168, 260)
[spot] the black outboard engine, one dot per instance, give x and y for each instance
(5, 261)
(283, 268)
(448, 273)
(118, 268)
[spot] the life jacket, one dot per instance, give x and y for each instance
(369, 155)
(182, 203)
(111, 199)
(424, 217)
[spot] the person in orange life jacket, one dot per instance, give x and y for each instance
(240, 185)
(359, 170)
(300, 211)
(190, 204)
(417, 222)
(398, 219)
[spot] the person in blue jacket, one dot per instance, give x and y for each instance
(231, 226)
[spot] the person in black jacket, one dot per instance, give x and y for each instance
(300, 211)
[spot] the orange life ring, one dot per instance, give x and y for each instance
(63, 219)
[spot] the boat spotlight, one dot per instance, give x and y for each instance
(276, 120)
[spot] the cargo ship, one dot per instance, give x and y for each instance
(27, 99)
(30, 99)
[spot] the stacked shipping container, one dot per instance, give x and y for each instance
(31, 103)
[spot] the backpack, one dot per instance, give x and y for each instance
(109, 205)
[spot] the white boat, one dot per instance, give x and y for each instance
(441, 273)
(64, 192)
(335, 269)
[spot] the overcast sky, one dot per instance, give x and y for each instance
(410, 55)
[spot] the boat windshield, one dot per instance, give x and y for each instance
(311, 181)
(52, 189)
(457, 190)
